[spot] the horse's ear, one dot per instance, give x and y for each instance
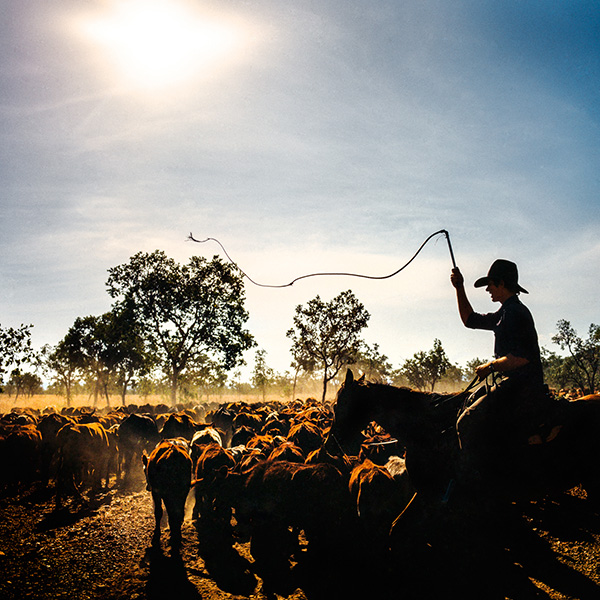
(349, 377)
(361, 379)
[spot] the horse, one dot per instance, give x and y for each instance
(424, 423)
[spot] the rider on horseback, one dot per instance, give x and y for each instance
(518, 399)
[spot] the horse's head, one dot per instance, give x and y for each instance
(351, 416)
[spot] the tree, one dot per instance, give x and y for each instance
(425, 369)
(205, 376)
(15, 348)
(62, 364)
(26, 384)
(125, 355)
(262, 375)
(89, 345)
(185, 312)
(325, 336)
(584, 364)
(373, 364)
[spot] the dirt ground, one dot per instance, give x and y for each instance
(99, 548)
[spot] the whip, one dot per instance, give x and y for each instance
(328, 274)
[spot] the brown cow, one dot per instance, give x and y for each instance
(179, 425)
(84, 454)
(287, 451)
(20, 447)
(281, 498)
(168, 472)
(380, 496)
(306, 435)
(136, 434)
(213, 467)
(49, 426)
(202, 438)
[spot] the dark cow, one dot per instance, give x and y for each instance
(179, 425)
(20, 449)
(279, 498)
(136, 434)
(306, 435)
(222, 419)
(379, 497)
(287, 451)
(212, 468)
(168, 472)
(83, 456)
(49, 426)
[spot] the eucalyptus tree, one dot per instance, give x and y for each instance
(326, 335)
(582, 366)
(61, 364)
(262, 375)
(185, 312)
(425, 369)
(87, 346)
(374, 364)
(15, 349)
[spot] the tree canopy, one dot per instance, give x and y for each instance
(188, 313)
(325, 335)
(582, 366)
(15, 348)
(425, 369)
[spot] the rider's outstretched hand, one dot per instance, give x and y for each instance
(456, 278)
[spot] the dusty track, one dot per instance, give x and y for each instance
(99, 548)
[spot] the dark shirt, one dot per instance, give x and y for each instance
(515, 334)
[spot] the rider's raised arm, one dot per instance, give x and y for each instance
(464, 306)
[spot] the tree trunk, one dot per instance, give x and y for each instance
(174, 389)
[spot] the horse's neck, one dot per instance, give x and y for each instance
(396, 409)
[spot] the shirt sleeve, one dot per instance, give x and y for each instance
(482, 321)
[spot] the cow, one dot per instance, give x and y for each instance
(168, 472)
(222, 419)
(20, 448)
(135, 434)
(212, 468)
(287, 451)
(179, 425)
(380, 494)
(278, 499)
(203, 437)
(306, 435)
(83, 456)
(49, 426)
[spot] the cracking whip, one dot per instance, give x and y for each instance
(440, 232)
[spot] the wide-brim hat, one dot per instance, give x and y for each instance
(502, 270)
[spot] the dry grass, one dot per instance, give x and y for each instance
(42, 401)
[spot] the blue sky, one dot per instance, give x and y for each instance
(305, 136)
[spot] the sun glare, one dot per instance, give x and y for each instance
(160, 43)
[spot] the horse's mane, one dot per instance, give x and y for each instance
(429, 397)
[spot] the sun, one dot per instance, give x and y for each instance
(160, 43)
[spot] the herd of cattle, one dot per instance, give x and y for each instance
(254, 472)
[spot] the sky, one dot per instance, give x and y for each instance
(329, 135)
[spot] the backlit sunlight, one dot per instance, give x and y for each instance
(155, 44)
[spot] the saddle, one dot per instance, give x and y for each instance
(553, 415)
